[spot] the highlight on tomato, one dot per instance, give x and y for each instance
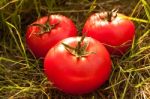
(45, 32)
(78, 65)
(112, 29)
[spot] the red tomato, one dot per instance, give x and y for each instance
(78, 71)
(114, 30)
(45, 32)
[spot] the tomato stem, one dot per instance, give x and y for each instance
(109, 16)
(79, 50)
(112, 14)
(78, 47)
(45, 28)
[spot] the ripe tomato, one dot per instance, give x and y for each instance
(112, 29)
(45, 32)
(80, 68)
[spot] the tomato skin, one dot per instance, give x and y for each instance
(77, 75)
(117, 35)
(40, 44)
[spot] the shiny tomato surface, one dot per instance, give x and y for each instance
(45, 32)
(116, 34)
(75, 74)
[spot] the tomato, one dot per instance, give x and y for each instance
(77, 67)
(45, 32)
(112, 29)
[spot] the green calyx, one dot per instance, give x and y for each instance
(44, 28)
(79, 50)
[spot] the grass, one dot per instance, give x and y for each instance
(21, 74)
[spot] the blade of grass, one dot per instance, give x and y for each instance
(147, 8)
(140, 40)
(135, 8)
(92, 7)
(140, 51)
(22, 49)
(13, 61)
(138, 20)
(126, 86)
(37, 7)
(50, 4)
(7, 4)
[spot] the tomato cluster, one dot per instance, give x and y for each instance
(79, 65)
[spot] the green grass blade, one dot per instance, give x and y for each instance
(18, 43)
(135, 8)
(147, 8)
(92, 7)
